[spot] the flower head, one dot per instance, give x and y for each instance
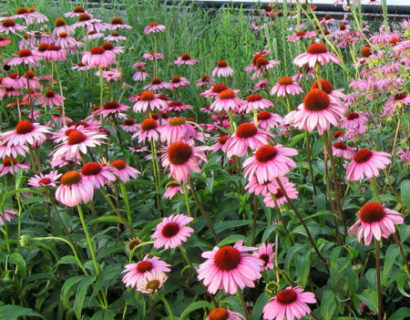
(375, 221)
(367, 163)
(172, 231)
(316, 53)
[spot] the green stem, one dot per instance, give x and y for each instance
(101, 86)
(126, 202)
(89, 241)
(281, 218)
(61, 90)
(302, 222)
(188, 209)
(379, 286)
(245, 309)
(80, 264)
(309, 157)
(167, 306)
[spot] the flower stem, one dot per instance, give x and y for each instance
(61, 91)
(403, 255)
(309, 157)
(117, 212)
(245, 309)
(126, 202)
(89, 241)
(101, 86)
(281, 218)
(255, 218)
(188, 209)
(302, 222)
(379, 288)
(167, 306)
(203, 211)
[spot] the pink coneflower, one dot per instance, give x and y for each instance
(10, 26)
(253, 186)
(14, 80)
(98, 57)
(302, 35)
(31, 81)
(109, 47)
(85, 20)
(367, 163)
(340, 149)
(205, 81)
(247, 135)
(9, 92)
(11, 165)
(151, 283)
(7, 215)
(262, 64)
(80, 67)
(136, 271)
(268, 120)
(289, 304)
(4, 41)
(129, 125)
(149, 100)
(61, 26)
(25, 133)
(280, 198)
(156, 84)
(73, 189)
(216, 90)
(328, 88)
(256, 102)
(115, 37)
(92, 35)
(375, 221)
(124, 171)
(147, 130)
(229, 268)
(177, 82)
(266, 254)
(318, 110)
(78, 141)
(172, 189)
(153, 56)
(222, 69)
(44, 180)
(12, 151)
(76, 12)
(137, 149)
(224, 314)
(269, 162)
(117, 23)
(154, 27)
(177, 129)
(186, 59)
(54, 53)
(177, 106)
(260, 85)
(25, 56)
(305, 72)
(50, 99)
(400, 99)
(286, 86)
(64, 41)
(97, 174)
(316, 53)
(227, 100)
(220, 141)
(172, 231)
(140, 75)
(112, 108)
(354, 120)
(111, 75)
(182, 159)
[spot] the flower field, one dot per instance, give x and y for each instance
(179, 162)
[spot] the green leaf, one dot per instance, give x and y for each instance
(9, 312)
(103, 315)
(113, 219)
(405, 192)
(192, 307)
(390, 257)
(231, 239)
(302, 263)
(328, 306)
(18, 260)
(81, 293)
(401, 314)
(369, 297)
(401, 280)
(65, 292)
(258, 307)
